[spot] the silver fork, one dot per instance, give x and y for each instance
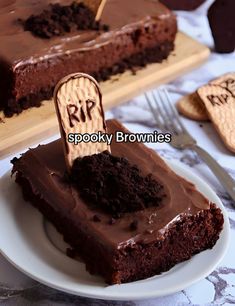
(167, 119)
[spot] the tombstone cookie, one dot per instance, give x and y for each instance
(78, 103)
(192, 107)
(226, 81)
(220, 106)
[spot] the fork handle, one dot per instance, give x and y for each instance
(225, 179)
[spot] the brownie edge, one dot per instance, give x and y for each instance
(11, 105)
(185, 238)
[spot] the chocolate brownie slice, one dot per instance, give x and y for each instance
(126, 242)
(40, 44)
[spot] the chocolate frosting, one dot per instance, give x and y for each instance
(44, 168)
(19, 47)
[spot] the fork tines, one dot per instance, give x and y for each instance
(164, 112)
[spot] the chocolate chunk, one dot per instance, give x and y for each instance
(58, 20)
(114, 185)
(221, 16)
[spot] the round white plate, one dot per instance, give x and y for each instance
(34, 247)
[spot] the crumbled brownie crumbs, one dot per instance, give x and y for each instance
(114, 185)
(58, 20)
(96, 218)
(14, 160)
(134, 225)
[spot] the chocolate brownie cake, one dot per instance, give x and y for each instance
(42, 41)
(185, 5)
(164, 222)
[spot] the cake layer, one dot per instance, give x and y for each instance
(111, 247)
(141, 31)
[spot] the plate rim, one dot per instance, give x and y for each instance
(175, 165)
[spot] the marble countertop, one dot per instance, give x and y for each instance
(219, 287)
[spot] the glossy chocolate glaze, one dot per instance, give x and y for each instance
(19, 47)
(44, 168)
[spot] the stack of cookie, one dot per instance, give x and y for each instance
(216, 102)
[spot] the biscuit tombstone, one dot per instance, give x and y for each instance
(226, 81)
(78, 103)
(220, 105)
(192, 107)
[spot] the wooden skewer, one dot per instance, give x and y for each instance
(100, 10)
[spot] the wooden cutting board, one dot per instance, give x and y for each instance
(36, 124)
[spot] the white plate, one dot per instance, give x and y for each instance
(35, 248)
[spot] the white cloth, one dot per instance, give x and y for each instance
(216, 289)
